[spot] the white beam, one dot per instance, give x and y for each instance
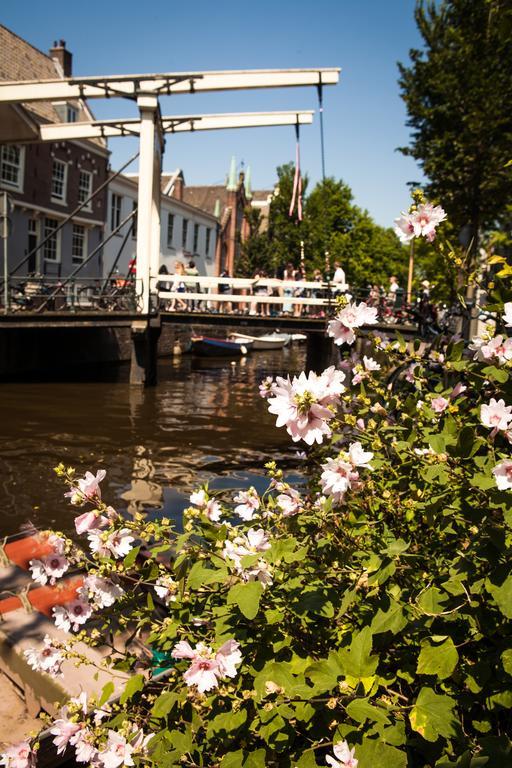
(130, 86)
(172, 124)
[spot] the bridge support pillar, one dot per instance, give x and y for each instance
(321, 352)
(143, 362)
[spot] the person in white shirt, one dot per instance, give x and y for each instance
(339, 279)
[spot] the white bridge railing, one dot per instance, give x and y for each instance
(279, 292)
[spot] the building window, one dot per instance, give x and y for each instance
(84, 188)
(134, 220)
(115, 211)
(170, 229)
(11, 166)
(78, 244)
(51, 248)
(184, 233)
(207, 246)
(59, 180)
(196, 237)
(71, 114)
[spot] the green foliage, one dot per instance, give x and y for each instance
(458, 91)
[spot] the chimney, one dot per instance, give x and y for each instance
(62, 57)
(178, 187)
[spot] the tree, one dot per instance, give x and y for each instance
(285, 232)
(367, 252)
(458, 92)
(255, 250)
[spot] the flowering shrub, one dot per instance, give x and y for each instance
(359, 621)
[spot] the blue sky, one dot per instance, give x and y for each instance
(364, 115)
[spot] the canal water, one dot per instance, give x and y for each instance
(203, 422)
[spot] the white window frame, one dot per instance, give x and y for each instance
(56, 198)
(71, 114)
(171, 220)
(135, 220)
(88, 192)
(115, 209)
(19, 183)
(184, 233)
(76, 259)
(55, 260)
(208, 240)
(196, 238)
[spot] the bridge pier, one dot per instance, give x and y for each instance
(143, 361)
(321, 352)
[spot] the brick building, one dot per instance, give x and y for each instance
(46, 181)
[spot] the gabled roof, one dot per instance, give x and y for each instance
(205, 197)
(19, 60)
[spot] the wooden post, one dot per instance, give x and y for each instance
(411, 271)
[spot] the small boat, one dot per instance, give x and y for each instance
(299, 338)
(267, 341)
(207, 346)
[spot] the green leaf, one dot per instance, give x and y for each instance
(277, 672)
(495, 374)
(324, 674)
(247, 597)
(226, 724)
(106, 693)
(361, 710)
(256, 759)
(232, 759)
(506, 660)
(306, 760)
(432, 601)
(392, 620)
(373, 753)
(357, 661)
(131, 557)
(201, 575)
(164, 704)
(134, 684)
(502, 596)
(432, 716)
(437, 657)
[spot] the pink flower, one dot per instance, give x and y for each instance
(46, 659)
(254, 543)
(116, 544)
(248, 503)
(89, 521)
(409, 374)
(63, 729)
(337, 477)
(439, 404)
(83, 742)
(199, 498)
(72, 615)
(498, 348)
(425, 220)
(404, 227)
(496, 415)
(341, 329)
(358, 456)
(301, 405)
(117, 751)
(457, 390)
(49, 568)
(229, 657)
(289, 503)
(166, 589)
(266, 387)
(507, 314)
(213, 510)
(343, 756)
(207, 667)
(503, 475)
(87, 488)
(18, 756)
(102, 592)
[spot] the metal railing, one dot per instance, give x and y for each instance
(77, 294)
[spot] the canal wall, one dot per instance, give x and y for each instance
(90, 352)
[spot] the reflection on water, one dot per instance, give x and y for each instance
(203, 422)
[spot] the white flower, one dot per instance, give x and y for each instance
(72, 615)
(496, 415)
(507, 314)
(18, 756)
(86, 488)
(49, 568)
(248, 503)
(83, 742)
(103, 592)
(46, 659)
(289, 502)
(166, 589)
(503, 475)
(116, 543)
(199, 498)
(343, 756)
(352, 316)
(117, 751)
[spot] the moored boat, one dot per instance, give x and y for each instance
(267, 341)
(207, 346)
